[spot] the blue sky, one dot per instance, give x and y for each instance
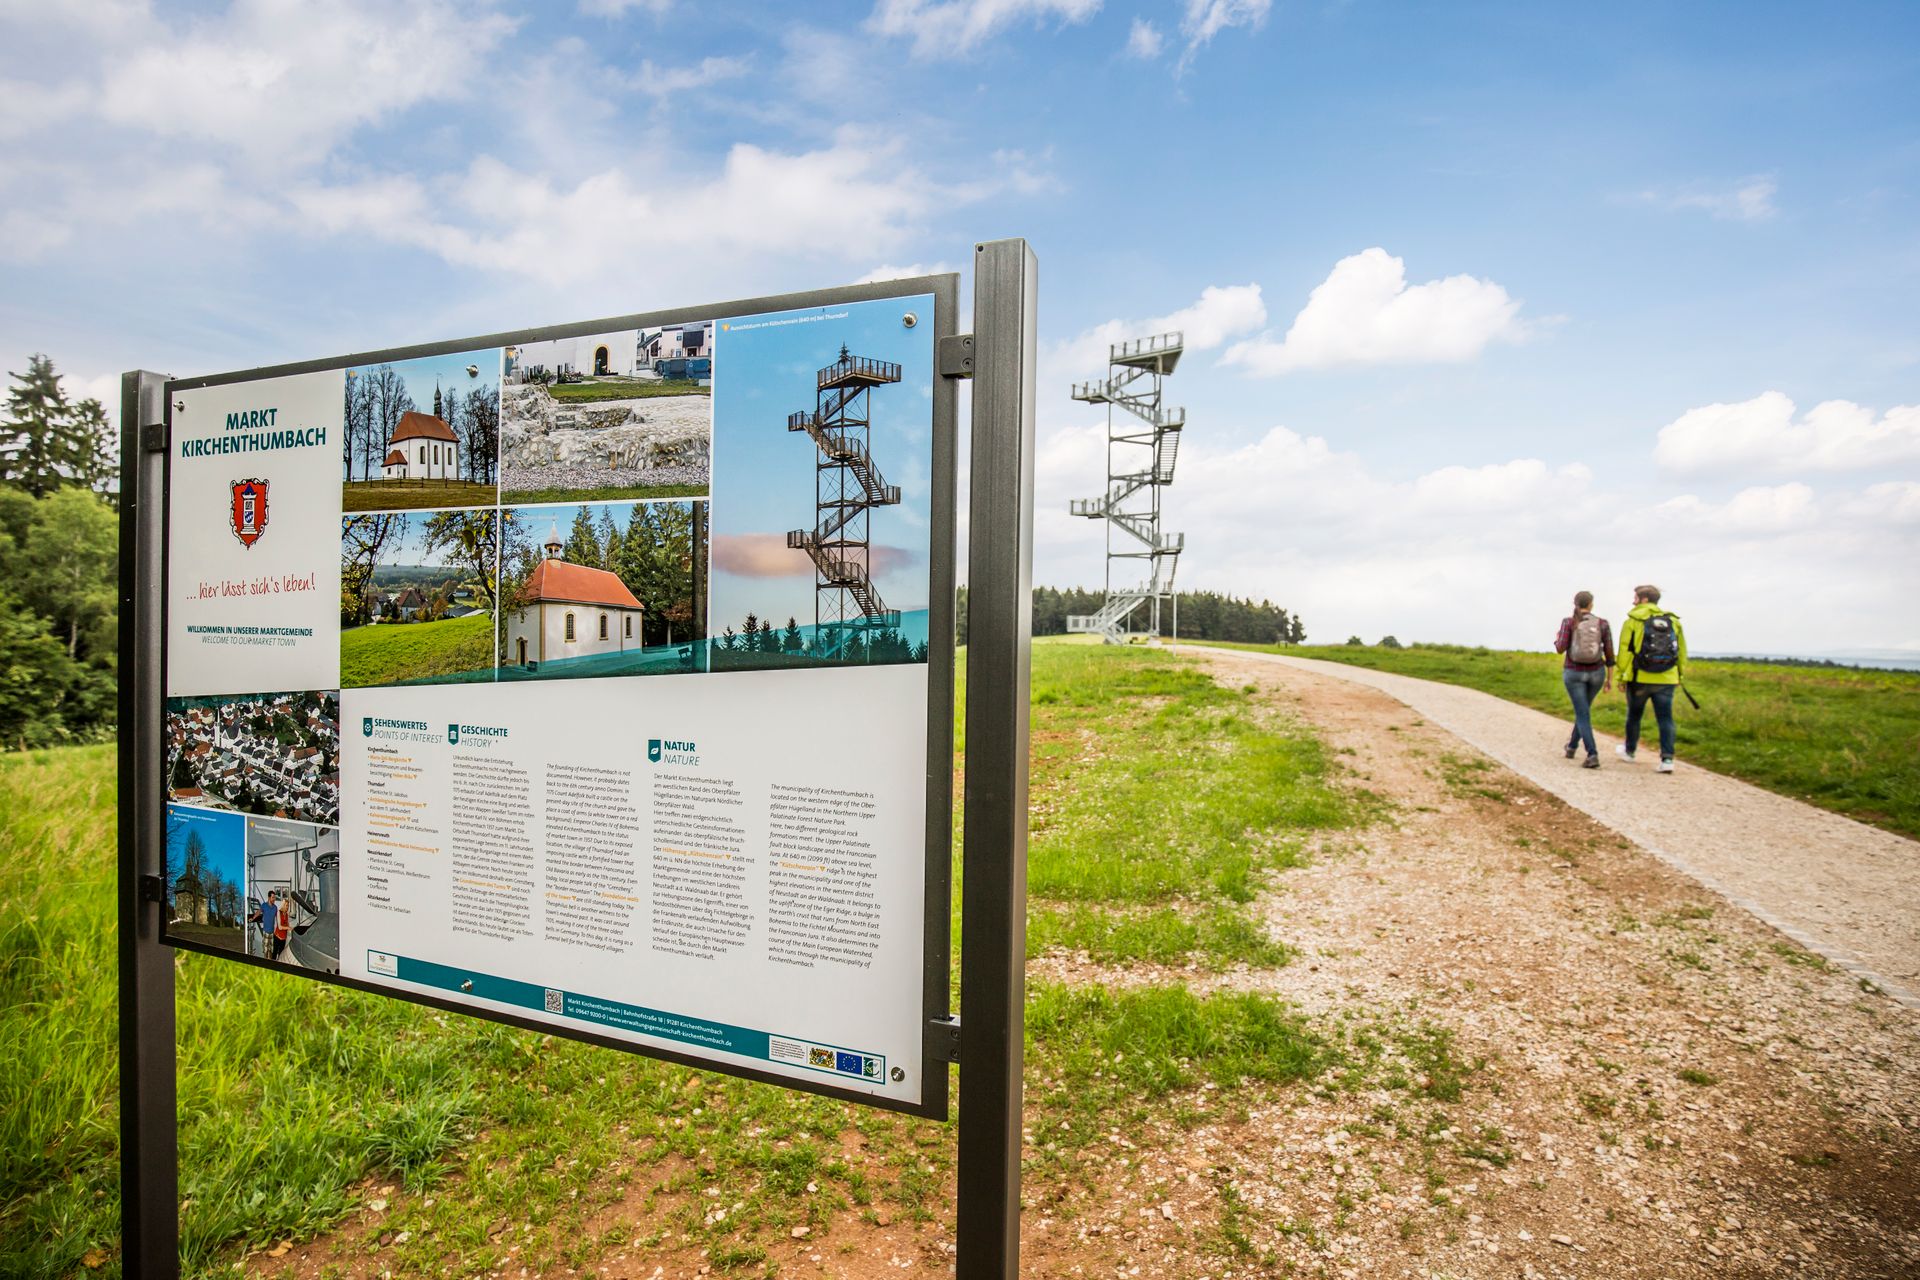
(222, 835)
(1485, 302)
(766, 368)
(408, 548)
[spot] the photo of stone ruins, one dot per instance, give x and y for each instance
(610, 415)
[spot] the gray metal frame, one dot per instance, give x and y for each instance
(993, 927)
(149, 1132)
(993, 965)
(936, 1011)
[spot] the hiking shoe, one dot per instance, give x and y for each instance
(1623, 753)
(1593, 762)
(1569, 753)
(1665, 766)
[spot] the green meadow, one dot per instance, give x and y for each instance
(1844, 738)
(594, 392)
(414, 495)
(397, 652)
(1163, 804)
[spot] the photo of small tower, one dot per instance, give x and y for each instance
(847, 487)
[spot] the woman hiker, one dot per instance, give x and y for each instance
(1587, 641)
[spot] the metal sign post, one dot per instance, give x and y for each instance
(149, 1150)
(993, 926)
(999, 357)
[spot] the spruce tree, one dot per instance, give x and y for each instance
(47, 441)
(583, 541)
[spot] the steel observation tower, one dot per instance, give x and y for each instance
(1143, 441)
(847, 487)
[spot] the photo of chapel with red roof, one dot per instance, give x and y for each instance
(421, 434)
(566, 610)
(603, 589)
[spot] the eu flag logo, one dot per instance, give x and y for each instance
(847, 1062)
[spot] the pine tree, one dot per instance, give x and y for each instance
(583, 541)
(47, 441)
(610, 540)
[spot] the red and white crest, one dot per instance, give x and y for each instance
(248, 516)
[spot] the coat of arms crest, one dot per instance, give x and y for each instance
(248, 516)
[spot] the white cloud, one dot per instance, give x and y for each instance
(1763, 435)
(1144, 40)
(857, 195)
(1365, 313)
(1763, 509)
(659, 82)
(1491, 553)
(32, 106)
(619, 8)
(908, 272)
(1524, 483)
(1205, 19)
(1747, 200)
(953, 28)
(284, 81)
(1220, 312)
(1891, 501)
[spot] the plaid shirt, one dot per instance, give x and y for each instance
(1564, 641)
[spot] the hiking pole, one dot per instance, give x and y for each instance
(1690, 698)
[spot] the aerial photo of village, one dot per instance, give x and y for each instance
(273, 754)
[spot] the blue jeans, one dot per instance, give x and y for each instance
(1582, 688)
(1661, 696)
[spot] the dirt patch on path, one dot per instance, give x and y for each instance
(1843, 889)
(1665, 1086)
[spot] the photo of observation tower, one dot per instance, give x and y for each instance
(847, 487)
(822, 447)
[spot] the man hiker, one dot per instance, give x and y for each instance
(1587, 641)
(268, 909)
(1652, 662)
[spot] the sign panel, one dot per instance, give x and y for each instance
(594, 678)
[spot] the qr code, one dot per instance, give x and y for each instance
(556, 1001)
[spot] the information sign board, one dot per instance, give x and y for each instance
(596, 678)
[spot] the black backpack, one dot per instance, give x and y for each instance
(1659, 648)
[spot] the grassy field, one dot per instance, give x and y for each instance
(415, 495)
(394, 652)
(1845, 739)
(609, 493)
(592, 392)
(1161, 803)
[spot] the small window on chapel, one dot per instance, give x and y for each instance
(603, 626)
(629, 628)
(569, 626)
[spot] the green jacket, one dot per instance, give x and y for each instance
(1630, 635)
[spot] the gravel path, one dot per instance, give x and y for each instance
(1838, 887)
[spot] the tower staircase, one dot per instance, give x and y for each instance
(848, 487)
(1143, 447)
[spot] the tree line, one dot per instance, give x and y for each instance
(1204, 615)
(377, 398)
(59, 543)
